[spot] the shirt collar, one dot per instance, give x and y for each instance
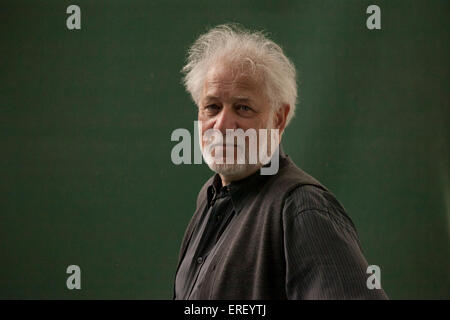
(242, 190)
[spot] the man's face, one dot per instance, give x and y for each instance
(232, 101)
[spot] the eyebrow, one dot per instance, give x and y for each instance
(238, 98)
(241, 98)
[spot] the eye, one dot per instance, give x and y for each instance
(212, 108)
(244, 108)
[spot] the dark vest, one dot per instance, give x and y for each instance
(249, 262)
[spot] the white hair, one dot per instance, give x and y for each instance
(243, 48)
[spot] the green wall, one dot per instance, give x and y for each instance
(86, 117)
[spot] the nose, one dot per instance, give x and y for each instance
(226, 119)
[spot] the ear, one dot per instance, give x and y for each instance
(281, 117)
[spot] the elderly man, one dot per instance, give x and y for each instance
(253, 235)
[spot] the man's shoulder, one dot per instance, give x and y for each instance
(292, 176)
(313, 199)
(309, 197)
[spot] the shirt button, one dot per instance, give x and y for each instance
(200, 260)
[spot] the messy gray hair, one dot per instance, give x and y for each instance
(243, 48)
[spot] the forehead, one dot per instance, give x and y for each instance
(223, 79)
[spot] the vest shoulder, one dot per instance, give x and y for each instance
(312, 198)
(291, 176)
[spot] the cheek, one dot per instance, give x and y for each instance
(203, 126)
(203, 120)
(254, 123)
(203, 117)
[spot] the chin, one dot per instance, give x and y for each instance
(228, 169)
(232, 171)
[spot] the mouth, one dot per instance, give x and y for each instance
(224, 146)
(223, 149)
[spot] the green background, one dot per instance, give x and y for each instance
(86, 116)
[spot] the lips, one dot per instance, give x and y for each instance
(224, 146)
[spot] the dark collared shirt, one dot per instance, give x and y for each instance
(223, 203)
